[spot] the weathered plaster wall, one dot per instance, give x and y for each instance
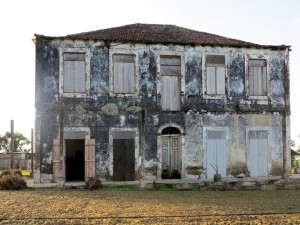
(194, 158)
(100, 111)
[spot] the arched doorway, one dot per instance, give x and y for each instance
(170, 152)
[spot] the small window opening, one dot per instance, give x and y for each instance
(170, 130)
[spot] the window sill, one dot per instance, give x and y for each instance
(124, 95)
(262, 100)
(222, 97)
(74, 95)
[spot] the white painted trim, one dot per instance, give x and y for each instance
(170, 124)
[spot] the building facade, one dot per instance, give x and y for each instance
(150, 102)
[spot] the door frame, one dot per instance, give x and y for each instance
(70, 133)
(170, 156)
(159, 147)
(109, 163)
(227, 141)
(258, 128)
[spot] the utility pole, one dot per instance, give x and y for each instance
(12, 146)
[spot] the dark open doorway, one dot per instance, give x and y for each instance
(74, 160)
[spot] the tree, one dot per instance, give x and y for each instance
(292, 143)
(19, 141)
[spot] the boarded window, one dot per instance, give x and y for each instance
(123, 74)
(74, 73)
(215, 74)
(170, 67)
(257, 77)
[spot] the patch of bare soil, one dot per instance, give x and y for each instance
(61, 206)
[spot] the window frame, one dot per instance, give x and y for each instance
(204, 77)
(228, 138)
(269, 138)
(87, 72)
(248, 58)
(181, 77)
(111, 73)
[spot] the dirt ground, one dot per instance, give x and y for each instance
(73, 206)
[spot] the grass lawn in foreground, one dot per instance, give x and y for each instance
(105, 206)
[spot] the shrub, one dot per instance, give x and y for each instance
(12, 180)
(93, 183)
(16, 172)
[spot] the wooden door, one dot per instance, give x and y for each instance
(171, 157)
(216, 153)
(56, 159)
(258, 153)
(123, 159)
(89, 159)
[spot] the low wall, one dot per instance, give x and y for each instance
(19, 162)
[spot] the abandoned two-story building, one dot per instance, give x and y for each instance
(151, 102)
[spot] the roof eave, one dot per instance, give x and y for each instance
(272, 47)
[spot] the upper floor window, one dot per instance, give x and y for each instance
(74, 73)
(257, 78)
(214, 79)
(170, 82)
(123, 74)
(74, 79)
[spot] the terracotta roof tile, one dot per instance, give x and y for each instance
(162, 34)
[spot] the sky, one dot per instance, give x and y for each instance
(269, 22)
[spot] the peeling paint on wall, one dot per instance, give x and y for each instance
(104, 113)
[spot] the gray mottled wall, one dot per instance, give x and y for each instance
(100, 111)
